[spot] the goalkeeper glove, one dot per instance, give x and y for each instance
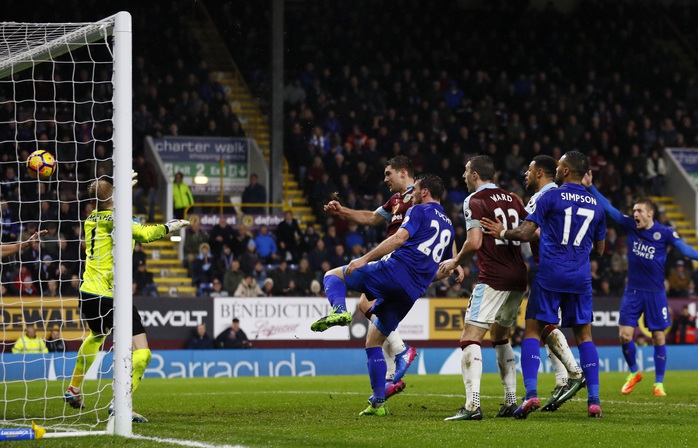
(134, 178)
(174, 225)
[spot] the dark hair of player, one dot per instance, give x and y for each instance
(577, 162)
(401, 163)
(547, 164)
(483, 166)
(433, 183)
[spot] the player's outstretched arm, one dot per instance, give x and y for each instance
(146, 234)
(12, 248)
(174, 225)
(361, 217)
(685, 249)
(388, 246)
(613, 212)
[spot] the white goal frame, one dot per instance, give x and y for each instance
(43, 46)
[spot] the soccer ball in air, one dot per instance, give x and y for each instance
(41, 164)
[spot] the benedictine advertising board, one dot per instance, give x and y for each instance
(289, 318)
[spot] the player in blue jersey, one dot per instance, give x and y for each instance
(571, 223)
(399, 177)
(396, 281)
(644, 293)
(540, 178)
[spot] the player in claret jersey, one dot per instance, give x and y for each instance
(396, 281)
(399, 177)
(644, 293)
(571, 223)
(495, 301)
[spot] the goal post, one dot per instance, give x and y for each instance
(123, 260)
(66, 88)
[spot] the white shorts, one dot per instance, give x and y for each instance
(488, 306)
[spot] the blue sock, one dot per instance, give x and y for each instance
(376, 372)
(336, 292)
(530, 362)
(589, 358)
(629, 353)
(659, 363)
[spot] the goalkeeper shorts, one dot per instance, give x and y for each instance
(98, 312)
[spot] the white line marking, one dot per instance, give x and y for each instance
(179, 442)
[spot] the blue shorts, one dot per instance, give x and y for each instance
(543, 305)
(653, 304)
(392, 303)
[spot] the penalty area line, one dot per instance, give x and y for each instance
(180, 442)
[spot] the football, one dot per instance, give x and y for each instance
(41, 164)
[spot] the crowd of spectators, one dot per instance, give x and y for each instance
(442, 84)
(287, 261)
(363, 84)
(174, 93)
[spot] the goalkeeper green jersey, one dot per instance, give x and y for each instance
(98, 278)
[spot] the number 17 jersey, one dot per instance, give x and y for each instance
(500, 262)
(570, 221)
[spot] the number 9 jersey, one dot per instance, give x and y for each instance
(500, 262)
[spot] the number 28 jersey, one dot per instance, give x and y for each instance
(500, 262)
(430, 242)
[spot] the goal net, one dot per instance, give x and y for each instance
(65, 88)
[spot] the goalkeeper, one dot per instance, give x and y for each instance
(97, 289)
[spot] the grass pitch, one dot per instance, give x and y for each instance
(324, 412)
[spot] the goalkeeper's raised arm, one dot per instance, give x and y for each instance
(146, 234)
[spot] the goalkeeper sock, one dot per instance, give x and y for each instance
(141, 359)
(86, 356)
(336, 292)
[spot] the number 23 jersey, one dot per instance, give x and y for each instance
(500, 262)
